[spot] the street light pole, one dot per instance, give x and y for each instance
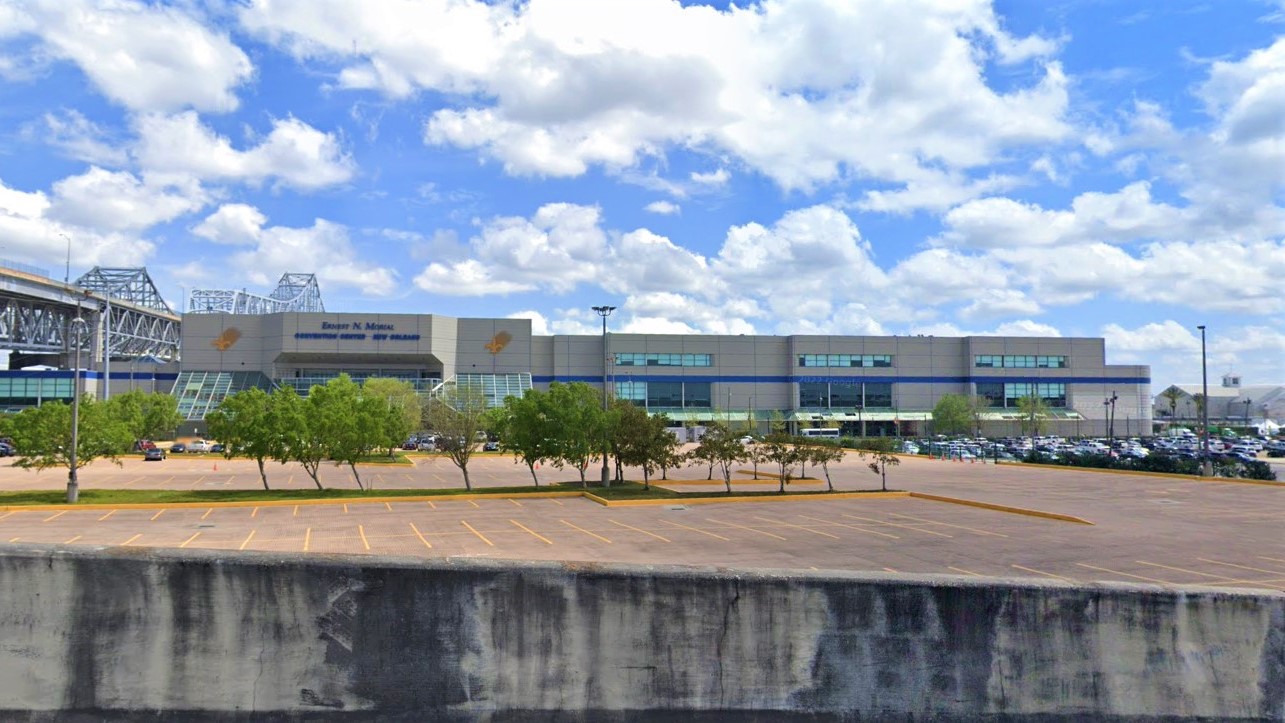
(1206, 467)
(73, 483)
(604, 312)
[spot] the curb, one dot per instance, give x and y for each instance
(716, 500)
(289, 503)
(1001, 508)
(1162, 475)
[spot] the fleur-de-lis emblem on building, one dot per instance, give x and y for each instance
(498, 342)
(224, 341)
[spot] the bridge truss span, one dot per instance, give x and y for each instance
(294, 292)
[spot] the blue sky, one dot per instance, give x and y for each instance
(1081, 168)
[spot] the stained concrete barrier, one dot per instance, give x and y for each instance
(120, 634)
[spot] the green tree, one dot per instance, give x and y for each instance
(648, 444)
(347, 425)
(147, 415)
(721, 447)
(952, 414)
(820, 453)
(300, 437)
(402, 404)
(42, 435)
(879, 452)
(1172, 395)
(457, 414)
(245, 423)
(779, 449)
(977, 406)
(1034, 412)
(524, 429)
(578, 425)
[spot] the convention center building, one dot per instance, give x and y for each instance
(876, 385)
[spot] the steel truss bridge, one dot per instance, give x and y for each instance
(294, 292)
(119, 305)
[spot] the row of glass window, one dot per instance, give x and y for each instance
(845, 360)
(832, 395)
(1006, 395)
(1019, 361)
(665, 394)
(35, 390)
(664, 360)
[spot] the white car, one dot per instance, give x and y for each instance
(198, 445)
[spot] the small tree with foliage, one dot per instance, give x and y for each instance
(722, 447)
(1034, 412)
(300, 438)
(42, 435)
(952, 414)
(1172, 395)
(401, 405)
(525, 431)
(780, 449)
(821, 453)
(147, 415)
(648, 443)
(348, 426)
(880, 457)
(578, 425)
(457, 414)
(246, 425)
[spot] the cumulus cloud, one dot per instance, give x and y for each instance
(32, 234)
(805, 93)
(293, 153)
(663, 208)
(144, 56)
(323, 248)
(120, 201)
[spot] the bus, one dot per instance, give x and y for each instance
(823, 433)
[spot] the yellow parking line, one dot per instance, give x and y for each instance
(556, 502)
(1117, 572)
(135, 537)
(15, 539)
(254, 512)
(889, 569)
(207, 513)
(966, 572)
(362, 531)
(136, 479)
(345, 508)
(515, 502)
(390, 507)
(533, 532)
(697, 529)
(593, 534)
(894, 524)
(635, 529)
(474, 503)
(54, 516)
(158, 514)
(109, 514)
(1243, 567)
(296, 511)
(189, 540)
(470, 529)
(247, 540)
(1264, 557)
(430, 504)
(851, 527)
(948, 524)
(1182, 569)
(743, 527)
(420, 536)
(801, 527)
(307, 538)
(1041, 572)
(77, 537)
(10, 512)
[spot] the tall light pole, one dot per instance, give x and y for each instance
(1206, 467)
(1109, 402)
(66, 275)
(604, 312)
(73, 484)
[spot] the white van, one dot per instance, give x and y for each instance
(822, 433)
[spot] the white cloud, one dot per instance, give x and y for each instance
(1167, 335)
(323, 248)
(539, 322)
(143, 56)
(642, 261)
(804, 92)
(294, 153)
(1021, 327)
(31, 234)
(664, 208)
(80, 138)
(120, 201)
(719, 177)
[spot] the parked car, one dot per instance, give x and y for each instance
(143, 445)
(491, 447)
(410, 445)
(178, 448)
(427, 446)
(154, 454)
(217, 448)
(6, 449)
(198, 445)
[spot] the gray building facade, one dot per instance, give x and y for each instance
(879, 384)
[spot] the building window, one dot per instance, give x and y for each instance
(845, 395)
(664, 360)
(1008, 395)
(696, 394)
(665, 394)
(845, 360)
(1019, 361)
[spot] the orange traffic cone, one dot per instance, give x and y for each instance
(216, 466)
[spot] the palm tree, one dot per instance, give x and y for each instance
(1034, 410)
(1172, 395)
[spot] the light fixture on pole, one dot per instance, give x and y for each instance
(66, 275)
(73, 483)
(1206, 467)
(604, 312)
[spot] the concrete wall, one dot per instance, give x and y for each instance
(167, 635)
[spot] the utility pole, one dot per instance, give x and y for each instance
(604, 312)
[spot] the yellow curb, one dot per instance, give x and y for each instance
(697, 482)
(1001, 508)
(719, 500)
(288, 503)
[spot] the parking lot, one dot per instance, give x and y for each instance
(1145, 529)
